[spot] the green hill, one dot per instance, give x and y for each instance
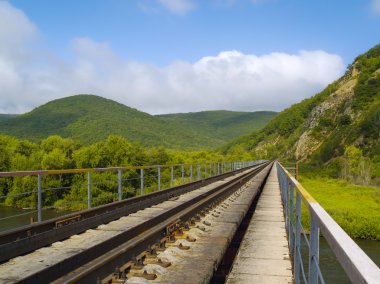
(6, 116)
(330, 128)
(89, 119)
(222, 124)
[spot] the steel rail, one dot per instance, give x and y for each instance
(31, 237)
(102, 260)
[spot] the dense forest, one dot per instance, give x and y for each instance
(222, 125)
(56, 152)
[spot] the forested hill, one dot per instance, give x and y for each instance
(7, 116)
(89, 119)
(338, 128)
(222, 124)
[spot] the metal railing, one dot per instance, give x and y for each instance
(357, 265)
(119, 183)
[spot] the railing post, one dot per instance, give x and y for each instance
(291, 221)
(119, 183)
(210, 169)
(39, 198)
(89, 190)
(183, 173)
(191, 173)
(171, 176)
(287, 203)
(313, 252)
(297, 262)
(199, 171)
(159, 178)
(141, 181)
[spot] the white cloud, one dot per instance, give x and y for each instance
(229, 80)
(376, 6)
(15, 29)
(179, 7)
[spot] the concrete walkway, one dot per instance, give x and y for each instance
(263, 256)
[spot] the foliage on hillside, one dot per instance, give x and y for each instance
(89, 119)
(328, 127)
(285, 125)
(56, 152)
(6, 116)
(224, 125)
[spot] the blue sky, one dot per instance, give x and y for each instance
(181, 55)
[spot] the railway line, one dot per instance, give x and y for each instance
(137, 239)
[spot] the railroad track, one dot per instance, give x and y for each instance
(125, 251)
(31, 237)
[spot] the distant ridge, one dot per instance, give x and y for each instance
(6, 116)
(223, 124)
(89, 119)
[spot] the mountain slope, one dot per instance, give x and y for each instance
(6, 116)
(318, 130)
(223, 124)
(89, 118)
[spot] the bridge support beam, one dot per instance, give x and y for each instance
(191, 173)
(313, 252)
(297, 250)
(158, 178)
(89, 190)
(171, 176)
(183, 173)
(141, 181)
(39, 199)
(119, 183)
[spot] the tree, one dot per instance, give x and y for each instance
(354, 156)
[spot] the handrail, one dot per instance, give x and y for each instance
(86, 170)
(357, 265)
(143, 182)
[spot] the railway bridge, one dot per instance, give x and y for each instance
(230, 222)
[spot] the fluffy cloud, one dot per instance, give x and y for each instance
(15, 29)
(177, 6)
(229, 80)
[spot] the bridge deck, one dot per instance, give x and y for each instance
(263, 256)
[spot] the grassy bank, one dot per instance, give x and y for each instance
(355, 208)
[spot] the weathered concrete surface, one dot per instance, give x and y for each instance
(198, 264)
(263, 256)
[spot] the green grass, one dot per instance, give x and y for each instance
(355, 208)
